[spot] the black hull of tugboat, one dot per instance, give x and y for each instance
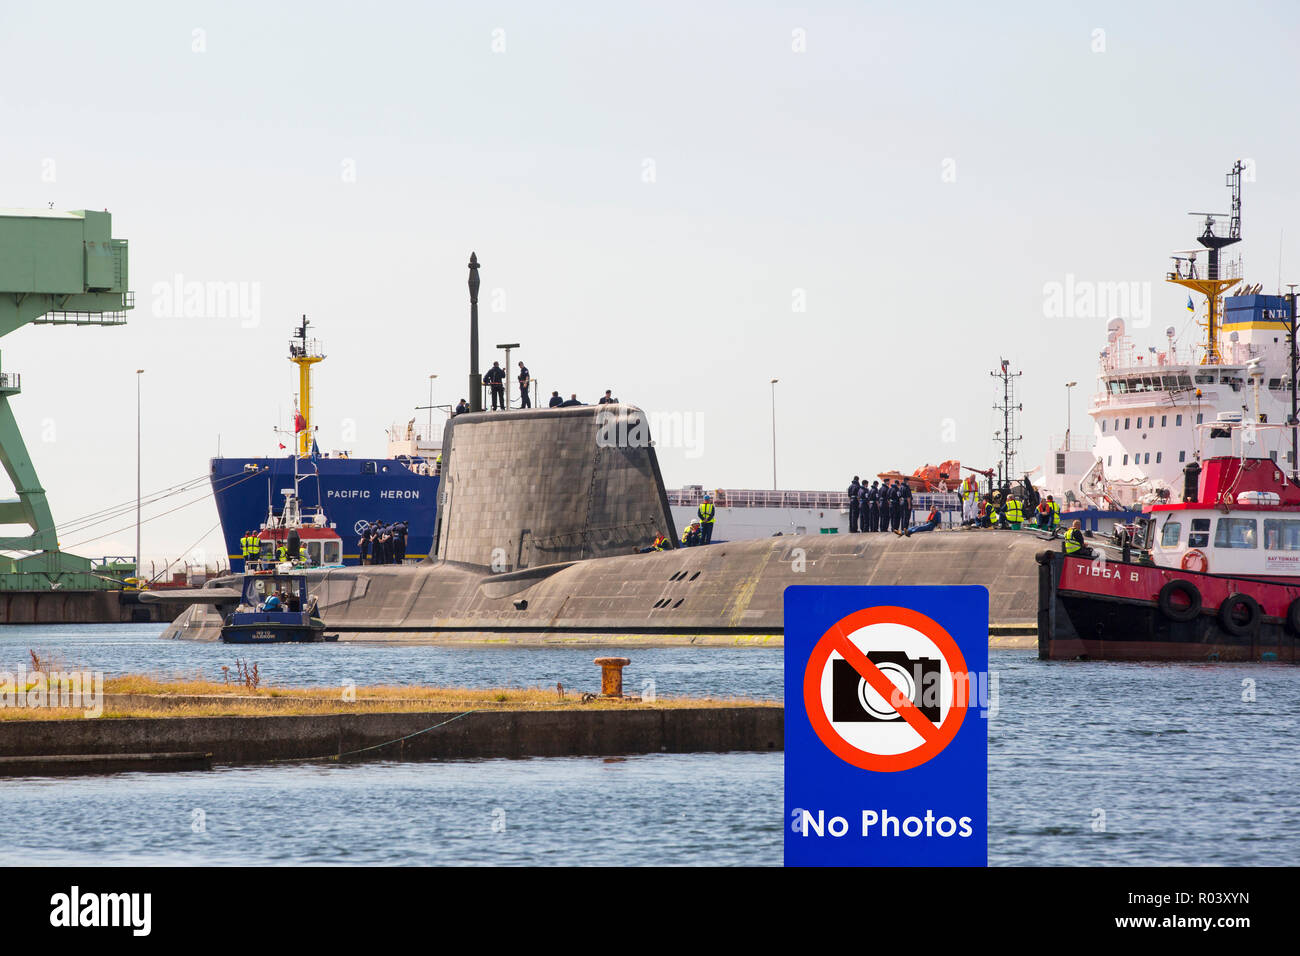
(1115, 614)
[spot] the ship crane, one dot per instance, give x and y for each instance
(56, 268)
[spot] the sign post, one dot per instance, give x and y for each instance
(886, 732)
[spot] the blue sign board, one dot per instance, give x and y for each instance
(887, 699)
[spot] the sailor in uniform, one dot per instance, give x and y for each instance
(854, 488)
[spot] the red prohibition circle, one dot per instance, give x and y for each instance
(812, 689)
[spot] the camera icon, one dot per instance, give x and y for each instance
(854, 700)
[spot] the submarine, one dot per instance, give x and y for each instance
(541, 519)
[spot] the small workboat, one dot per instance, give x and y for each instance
(275, 609)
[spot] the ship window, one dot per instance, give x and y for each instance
(333, 552)
(1274, 383)
(1151, 422)
(1126, 423)
(1164, 420)
(1117, 424)
(1125, 460)
(1200, 535)
(1103, 425)
(1182, 456)
(1146, 459)
(1235, 533)
(1200, 417)
(1169, 535)
(1178, 420)
(1060, 463)
(1205, 380)
(1282, 534)
(1159, 455)
(1273, 455)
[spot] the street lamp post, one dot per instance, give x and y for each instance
(138, 559)
(475, 381)
(429, 435)
(1068, 386)
(774, 381)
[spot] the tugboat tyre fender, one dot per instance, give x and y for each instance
(1179, 612)
(1233, 626)
(1293, 616)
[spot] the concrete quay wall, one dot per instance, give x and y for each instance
(559, 733)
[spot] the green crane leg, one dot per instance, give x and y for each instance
(30, 507)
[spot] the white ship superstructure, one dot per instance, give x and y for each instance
(1151, 398)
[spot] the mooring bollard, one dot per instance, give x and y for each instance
(611, 675)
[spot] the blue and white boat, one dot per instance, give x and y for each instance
(274, 609)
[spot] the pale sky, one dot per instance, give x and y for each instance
(677, 201)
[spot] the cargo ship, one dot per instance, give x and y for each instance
(351, 492)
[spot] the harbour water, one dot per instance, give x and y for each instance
(1090, 763)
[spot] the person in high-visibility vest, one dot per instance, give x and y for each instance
(970, 499)
(660, 543)
(283, 552)
(706, 517)
(1043, 515)
(1073, 545)
(1056, 512)
(1014, 515)
(693, 535)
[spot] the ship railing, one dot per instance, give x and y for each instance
(755, 498)
(312, 349)
(810, 500)
(420, 431)
(1083, 442)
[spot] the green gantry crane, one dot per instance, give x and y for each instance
(56, 268)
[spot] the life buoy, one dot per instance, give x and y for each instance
(1195, 560)
(1227, 614)
(1179, 612)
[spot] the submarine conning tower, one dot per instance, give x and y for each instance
(540, 486)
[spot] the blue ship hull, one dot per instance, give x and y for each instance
(354, 492)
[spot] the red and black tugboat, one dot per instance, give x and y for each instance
(1215, 577)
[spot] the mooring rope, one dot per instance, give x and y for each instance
(386, 743)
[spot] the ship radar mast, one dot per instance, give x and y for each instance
(304, 353)
(1009, 408)
(1212, 286)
